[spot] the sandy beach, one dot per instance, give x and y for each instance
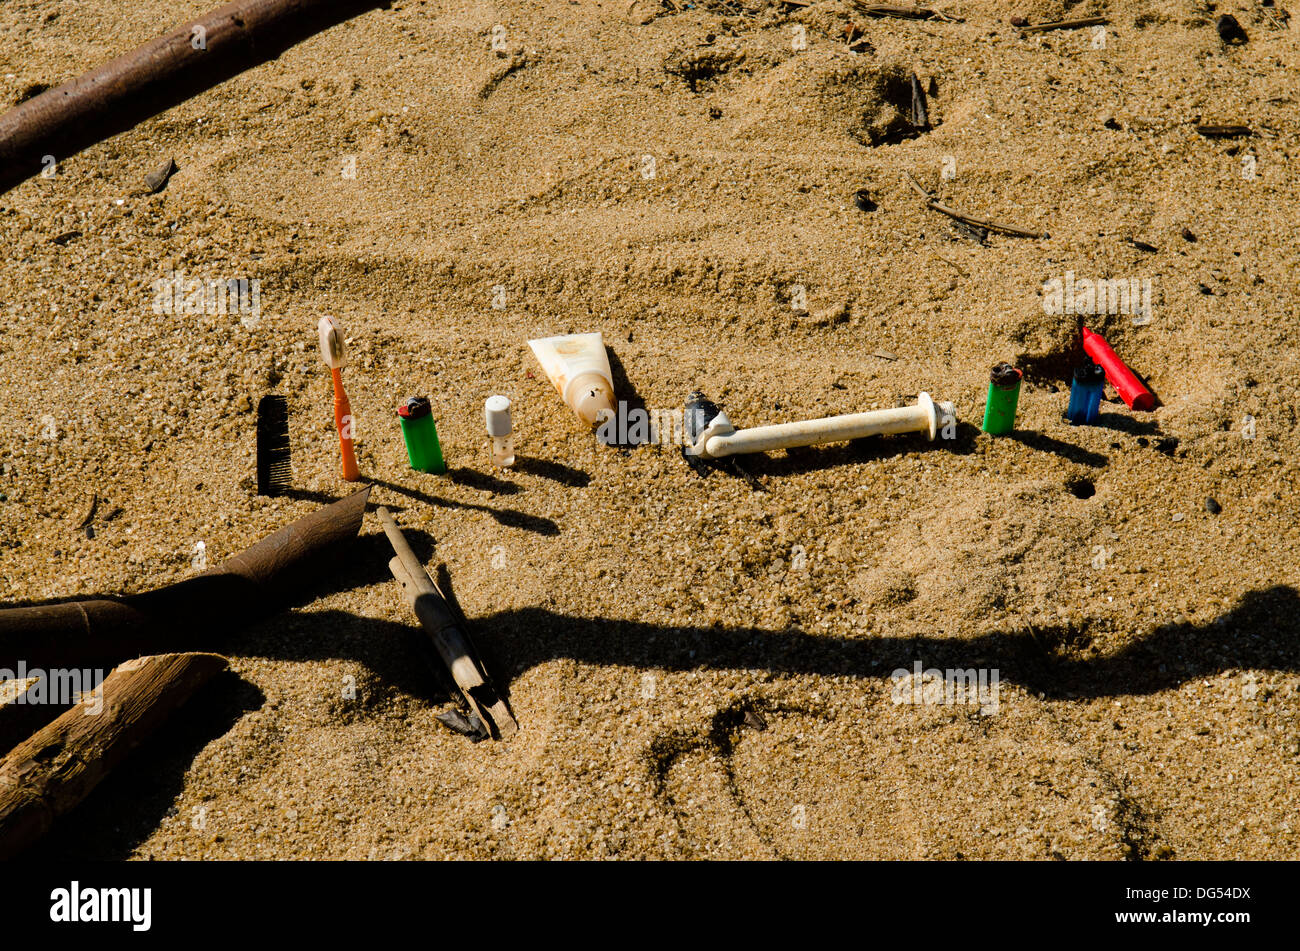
(701, 666)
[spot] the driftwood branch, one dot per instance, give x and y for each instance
(107, 630)
(969, 219)
(190, 59)
(50, 773)
(445, 632)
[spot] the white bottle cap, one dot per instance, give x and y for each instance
(496, 412)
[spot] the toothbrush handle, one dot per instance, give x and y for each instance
(343, 423)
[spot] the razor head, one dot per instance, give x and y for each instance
(700, 411)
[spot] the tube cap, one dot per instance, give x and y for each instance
(589, 393)
(496, 413)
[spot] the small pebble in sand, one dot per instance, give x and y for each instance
(1230, 30)
(156, 180)
(1212, 506)
(1178, 516)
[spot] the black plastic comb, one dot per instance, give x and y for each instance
(274, 472)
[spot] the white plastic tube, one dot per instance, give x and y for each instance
(923, 417)
(578, 365)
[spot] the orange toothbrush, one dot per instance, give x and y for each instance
(331, 349)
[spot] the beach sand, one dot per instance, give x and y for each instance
(679, 181)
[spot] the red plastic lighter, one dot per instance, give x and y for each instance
(1129, 387)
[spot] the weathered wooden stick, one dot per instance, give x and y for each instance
(1065, 24)
(179, 616)
(970, 219)
(453, 645)
(164, 72)
(50, 773)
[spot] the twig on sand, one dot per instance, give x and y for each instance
(1065, 24)
(1279, 22)
(904, 13)
(970, 219)
(1222, 131)
(952, 264)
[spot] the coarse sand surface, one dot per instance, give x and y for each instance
(701, 667)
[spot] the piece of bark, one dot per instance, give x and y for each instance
(48, 774)
(163, 73)
(184, 615)
(920, 112)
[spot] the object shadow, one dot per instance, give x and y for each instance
(1132, 425)
(511, 518)
(1262, 632)
(555, 471)
(140, 794)
(483, 481)
(1066, 450)
(629, 399)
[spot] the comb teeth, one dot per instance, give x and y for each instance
(274, 472)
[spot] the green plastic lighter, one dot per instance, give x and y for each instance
(421, 436)
(1004, 394)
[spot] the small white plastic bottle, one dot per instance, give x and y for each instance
(496, 413)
